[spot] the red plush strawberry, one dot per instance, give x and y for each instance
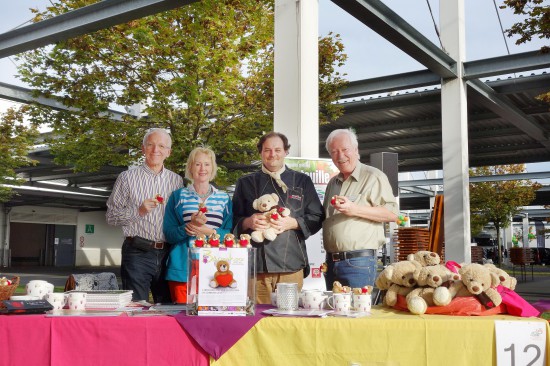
(159, 199)
(333, 200)
(202, 208)
(365, 290)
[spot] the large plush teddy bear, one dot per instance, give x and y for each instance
(268, 204)
(429, 279)
(425, 258)
(223, 276)
(476, 280)
(397, 279)
(435, 276)
(505, 279)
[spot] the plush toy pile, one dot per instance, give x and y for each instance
(424, 282)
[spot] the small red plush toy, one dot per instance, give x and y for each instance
(244, 241)
(229, 240)
(199, 241)
(202, 208)
(159, 198)
(214, 240)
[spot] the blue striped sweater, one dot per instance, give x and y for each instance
(181, 205)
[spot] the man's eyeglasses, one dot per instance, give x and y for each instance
(149, 146)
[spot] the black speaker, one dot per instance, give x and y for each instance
(387, 162)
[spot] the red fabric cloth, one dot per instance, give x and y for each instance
(469, 305)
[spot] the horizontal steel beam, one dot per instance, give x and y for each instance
(384, 21)
(88, 19)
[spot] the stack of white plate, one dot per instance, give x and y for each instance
(109, 299)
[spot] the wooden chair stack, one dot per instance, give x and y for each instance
(409, 240)
(412, 239)
(521, 257)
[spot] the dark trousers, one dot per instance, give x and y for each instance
(144, 270)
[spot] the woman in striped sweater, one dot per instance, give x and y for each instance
(183, 221)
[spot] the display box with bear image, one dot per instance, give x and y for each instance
(221, 281)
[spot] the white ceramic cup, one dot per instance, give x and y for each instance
(313, 299)
(39, 288)
(362, 302)
(77, 300)
(340, 302)
(57, 300)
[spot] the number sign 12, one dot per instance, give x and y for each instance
(520, 343)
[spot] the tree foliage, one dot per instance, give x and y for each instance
(16, 139)
(498, 201)
(203, 71)
(535, 25)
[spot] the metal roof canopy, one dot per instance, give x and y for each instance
(391, 114)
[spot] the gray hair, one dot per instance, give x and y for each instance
(157, 130)
(343, 131)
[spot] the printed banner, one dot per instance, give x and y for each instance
(320, 171)
(223, 281)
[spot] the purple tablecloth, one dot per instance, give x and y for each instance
(542, 305)
(217, 334)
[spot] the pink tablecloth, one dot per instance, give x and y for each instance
(97, 341)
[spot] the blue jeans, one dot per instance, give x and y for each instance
(142, 270)
(354, 272)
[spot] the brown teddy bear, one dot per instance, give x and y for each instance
(397, 279)
(425, 258)
(200, 241)
(476, 280)
(338, 288)
(244, 241)
(229, 240)
(420, 298)
(223, 277)
(428, 280)
(505, 279)
(267, 204)
(435, 276)
(214, 240)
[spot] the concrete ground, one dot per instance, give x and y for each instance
(532, 287)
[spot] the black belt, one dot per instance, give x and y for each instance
(340, 256)
(142, 243)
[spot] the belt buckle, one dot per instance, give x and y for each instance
(158, 245)
(335, 257)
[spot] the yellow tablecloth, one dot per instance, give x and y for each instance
(387, 337)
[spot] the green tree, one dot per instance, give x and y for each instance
(203, 71)
(16, 139)
(498, 201)
(535, 25)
